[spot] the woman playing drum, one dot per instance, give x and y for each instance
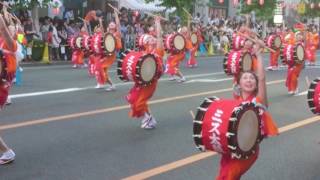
(174, 58)
(78, 53)
(252, 87)
(8, 47)
(294, 56)
(106, 60)
(139, 95)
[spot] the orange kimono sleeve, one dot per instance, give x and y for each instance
(118, 41)
(11, 58)
(269, 127)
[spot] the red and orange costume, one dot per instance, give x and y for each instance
(312, 43)
(9, 71)
(294, 69)
(233, 169)
(139, 95)
(104, 62)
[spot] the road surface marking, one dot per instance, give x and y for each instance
(112, 109)
(200, 156)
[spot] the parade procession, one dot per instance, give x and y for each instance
(159, 89)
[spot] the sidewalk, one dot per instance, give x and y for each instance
(39, 63)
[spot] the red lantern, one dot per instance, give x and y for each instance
(261, 2)
(235, 2)
(220, 1)
(249, 2)
(55, 11)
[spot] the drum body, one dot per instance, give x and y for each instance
(228, 126)
(194, 38)
(274, 41)
(72, 42)
(141, 41)
(140, 67)
(314, 96)
(292, 54)
(175, 42)
(237, 42)
(236, 62)
(3, 67)
(103, 44)
(86, 43)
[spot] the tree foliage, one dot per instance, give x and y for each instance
(28, 4)
(179, 4)
(263, 12)
(312, 12)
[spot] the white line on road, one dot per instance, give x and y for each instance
(58, 91)
(302, 93)
(208, 80)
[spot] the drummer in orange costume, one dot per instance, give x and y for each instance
(274, 56)
(103, 64)
(192, 62)
(174, 59)
(78, 54)
(8, 47)
(294, 69)
(139, 95)
(312, 42)
(252, 88)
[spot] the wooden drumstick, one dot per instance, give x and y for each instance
(153, 15)
(187, 12)
(255, 41)
(192, 114)
(115, 9)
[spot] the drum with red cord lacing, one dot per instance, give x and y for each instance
(86, 43)
(140, 67)
(292, 54)
(72, 42)
(237, 42)
(175, 42)
(274, 41)
(314, 96)
(236, 62)
(228, 127)
(103, 44)
(141, 41)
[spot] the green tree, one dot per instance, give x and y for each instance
(312, 12)
(29, 4)
(179, 4)
(263, 12)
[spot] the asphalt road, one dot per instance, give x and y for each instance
(61, 128)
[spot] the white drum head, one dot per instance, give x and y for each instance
(300, 52)
(248, 130)
(246, 62)
(194, 38)
(277, 42)
(148, 69)
(78, 42)
(179, 42)
(109, 43)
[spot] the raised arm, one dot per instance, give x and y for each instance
(260, 72)
(117, 21)
(158, 31)
(5, 34)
